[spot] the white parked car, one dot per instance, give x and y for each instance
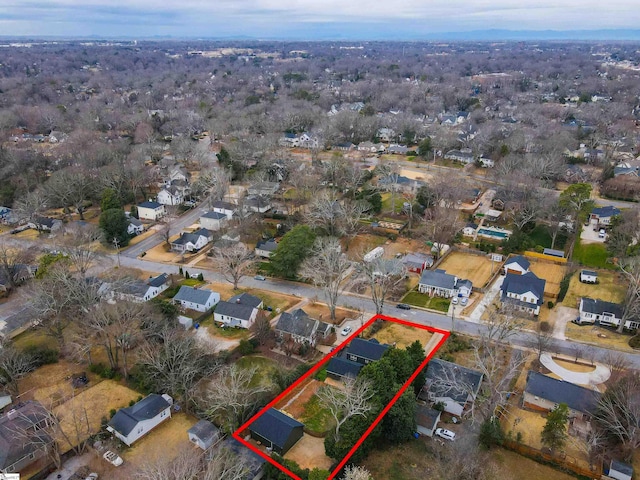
(454, 301)
(112, 458)
(446, 434)
(464, 301)
(346, 331)
(92, 476)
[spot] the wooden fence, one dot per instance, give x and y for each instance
(542, 256)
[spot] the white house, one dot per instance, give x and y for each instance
(451, 384)
(135, 226)
(518, 265)
(132, 423)
(170, 196)
(437, 283)
(257, 203)
(46, 224)
(486, 162)
(213, 220)
(150, 210)
(192, 242)
(588, 276)
(604, 313)
(264, 248)
(620, 470)
(204, 434)
(525, 292)
(228, 209)
(239, 311)
(601, 216)
(198, 299)
(144, 291)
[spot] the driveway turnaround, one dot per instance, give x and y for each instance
(600, 375)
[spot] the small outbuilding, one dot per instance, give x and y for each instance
(620, 470)
(427, 420)
(204, 434)
(588, 276)
(276, 431)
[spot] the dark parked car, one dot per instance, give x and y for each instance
(403, 306)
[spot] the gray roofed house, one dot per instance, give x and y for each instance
(339, 368)
(554, 253)
(135, 226)
(213, 220)
(139, 291)
(131, 423)
(276, 430)
(365, 351)
(518, 264)
(204, 434)
(451, 384)
(437, 282)
(27, 419)
(264, 248)
(603, 313)
(199, 299)
(192, 242)
(253, 462)
(426, 420)
(257, 203)
(239, 311)
(417, 262)
(588, 276)
(619, 470)
(525, 292)
(263, 188)
(229, 209)
(301, 328)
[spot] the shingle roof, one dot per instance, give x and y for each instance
(606, 211)
(191, 237)
(447, 379)
(438, 278)
(224, 205)
(214, 215)
(194, 295)
(267, 245)
(367, 349)
(205, 431)
(520, 260)
(577, 398)
(426, 417)
(235, 310)
(343, 367)
(599, 307)
(417, 259)
(126, 419)
(159, 280)
(150, 204)
(246, 299)
(134, 221)
(12, 446)
(622, 467)
(275, 426)
(591, 273)
(297, 323)
(519, 284)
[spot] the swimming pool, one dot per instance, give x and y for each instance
(485, 232)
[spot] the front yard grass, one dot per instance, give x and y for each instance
(592, 255)
(418, 299)
(600, 336)
(611, 287)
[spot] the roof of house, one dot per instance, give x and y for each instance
(257, 201)
(235, 310)
(519, 284)
(268, 245)
(214, 215)
(158, 281)
(606, 211)
(369, 349)
(134, 221)
(297, 323)
(224, 205)
(426, 417)
(275, 426)
(192, 237)
(438, 278)
(417, 259)
(520, 260)
(251, 460)
(150, 204)
(344, 367)
(464, 283)
(205, 431)
(246, 299)
(12, 446)
(621, 467)
(447, 379)
(599, 307)
(126, 419)
(591, 273)
(577, 398)
(193, 295)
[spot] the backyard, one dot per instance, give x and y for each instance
(551, 272)
(477, 268)
(611, 287)
(265, 368)
(402, 335)
(423, 300)
(592, 255)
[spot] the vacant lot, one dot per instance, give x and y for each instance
(50, 384)
(551, 272)
(402, 335)
(162, 253)
(266, 367)
(88, 407)
(321, 312)
(611, 288)
(472, 267)
(592, 255)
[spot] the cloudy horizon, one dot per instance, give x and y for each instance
(306, 18)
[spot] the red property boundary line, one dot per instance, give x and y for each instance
(319, 365)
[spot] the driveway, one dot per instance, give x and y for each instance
(563, 315)
(589, 235)
(489, 297)
(600, 375)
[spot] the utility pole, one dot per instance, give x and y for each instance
(116, 244)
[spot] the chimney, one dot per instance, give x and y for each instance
(237, 300)
(11, 414)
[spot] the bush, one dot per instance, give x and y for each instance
(246, 347)
(439, 406)
(201, 277)
(321, 376)
(112, 412)
(544, 326)
(564, 286)
(550, 304)
(132, 403)
(42, 355)
(634, 342)
(103, 371)
(376, 326)
(491, 433)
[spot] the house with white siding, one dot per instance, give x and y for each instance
(132, 423)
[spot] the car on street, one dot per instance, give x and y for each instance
(260, 277)
(346, 331)
(446, 434)
(403, 306)
(113, 458)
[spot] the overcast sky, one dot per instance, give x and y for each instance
(307, 18)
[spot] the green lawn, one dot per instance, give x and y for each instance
(191, 282)
(228, 332)
(266, 368)
(422, 300)
(316, 418)
(386, 202)
(540, 236)
(593, 255)
(34, 338)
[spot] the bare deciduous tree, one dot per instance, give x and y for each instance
(261, 328)
(327, 267)
(352, 400)
(233, 262)
(78, 246)
(354, 472)
(630, 267)
(13, 262)
(383, 277)
(14, 365)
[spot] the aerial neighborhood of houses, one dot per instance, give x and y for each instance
(242, 267)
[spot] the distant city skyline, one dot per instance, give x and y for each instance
(317, 20)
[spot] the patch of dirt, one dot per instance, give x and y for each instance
(308, 452)
(293, 403)
(402, 335)
(321, 312)
(51, 383)
(472, 267)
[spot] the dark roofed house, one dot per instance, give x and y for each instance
(23, 437)
(192, 241)
(365, 351)
(301, 328)
(545, 393)
(229, 209)
(204, 434)
(588, 276)
(199, 299)
(132, 423)
(517, 264)
(151, 210)
(239, 311)
(438, 283)
(276, 431)
(426, 420)
(524, 292)
(264, 248)
(139, 291)
(603, 313)
(619, 470)
(603, 215)
(417, 262)
(451, 384)
(252, 462)
(213, 220)
(339, 368)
